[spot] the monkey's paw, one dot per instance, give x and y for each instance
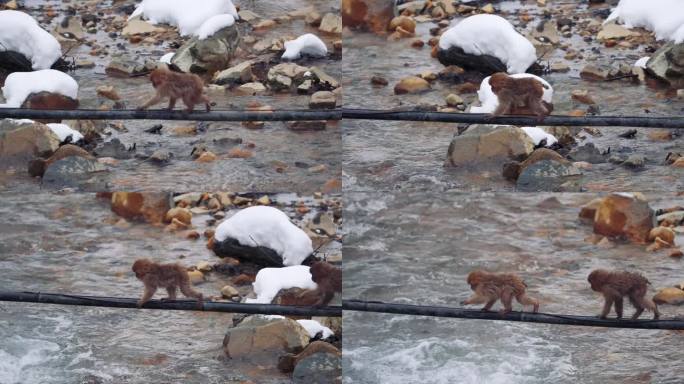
(140, 304)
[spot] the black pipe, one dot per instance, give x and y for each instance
(162, 114)
(548, 318)
(181, 305)
(481, 118)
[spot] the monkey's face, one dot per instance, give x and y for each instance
(596, 279)
(157, 77)
(475, 278)
(141, 268)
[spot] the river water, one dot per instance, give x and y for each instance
(69, 243)
(401, 155)
(417, 248)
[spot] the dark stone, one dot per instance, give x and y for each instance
(588, 153)
(484, 63)
(547, 175)
(115, 149)
(319, 368)
(259, 255)
(70, 171)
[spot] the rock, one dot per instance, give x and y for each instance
(512, 169)
(70, 171)
(670, 295)
(483, 63)
(148, 206)
(635, 161)
(588, 153)
(379, 81)
(323, 100)
(21, 141)
(676, 253)
(624, 215)
(259, 255)
(588, 211)
(673, 218)
(181, 214)
(196, 277)
(660, 135)
(281, 76)
(489, 143)
(238, 74)
(37, 167)
(113, 148)
(665, 234)
(302, 126)
(125, 67)
(614, 31)
(160, 156)
(262, 340)
(582, 96)
(49, 100)
(678, 163)
(251, 89)
(318, 368)
(109, 92)
(331, 23)
(667, 64)
(453, 100)
(264, 200)
(405, 22)
(323, 79)
(239, 153)
(411, 84)
(206, 157)
(595, 73)
(546, 175)
(228, 291)
(138, 27)
(287, 363)
(208, 55)
(313, 19)
(367, 14)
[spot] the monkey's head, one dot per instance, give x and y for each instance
(498, 81)
(142, 267)
(597, 279)
(476, 277)
(159, 75)
(319, 270)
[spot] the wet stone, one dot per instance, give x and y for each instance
(547, 175)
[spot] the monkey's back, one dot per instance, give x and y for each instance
(498, 282)
(171, 275)
(627, 282)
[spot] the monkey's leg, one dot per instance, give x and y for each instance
(171, 290)
(506, 301)
(188, 291)
(637, 304)
(526, 300)
(154, 100)
(172, 103)
(474, 299)
(538, 108)
(652, 306)
(489, 304)
(324, 298)
(606, 307)
(149, 292)
(189, 103)
(618, 307)
(207, 103)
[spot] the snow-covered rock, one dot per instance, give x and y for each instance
(491, 35)
(166, 59)
(267, 227)
(308, 44)
(19, 85)
(313, 327)
(664, 17)
(641, 63)
(214, 24)
(269, 281)
(21, 33)
(489, 101)
(537, 135)
(187, 15)
(63, 131)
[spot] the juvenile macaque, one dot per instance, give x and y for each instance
(326, 276)
(515, 94)
(169, 276)
(177, 85)
(614, 285)
(490, 287)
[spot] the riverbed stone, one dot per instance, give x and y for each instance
(331, 23)
(237, 74)
(22, 140)
(454, 55)
(141, 206)
(282, 76)
(411, 84)
(323, 100)
(665, 234)
(70, 171)
(489, 143)
(669, 295)
(115, 149)
(667, 64)
(259, 255)
(625, 215)
(208, 55)
(262, 340)
(548, 175)
(318, 368)
(588, 153)
(181, 214)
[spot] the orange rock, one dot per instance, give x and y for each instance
(332, 185)
(206, 157)
(404, 22)
(193, 235)
(677, 253)
(628, 215)
(660, 135)
(176, 225)
(679, 163)
(666, 234)
(148, 206)
(411, 84)
(240, 153)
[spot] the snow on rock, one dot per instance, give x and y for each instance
(268, 227)
(21, 33)
(167, 58)
(537, 135)
(313, 327)
(491, 35)
(213, 25)
(269, 281)
(490, 101)
(308, 44)
(63, 131)
(187, 15)
(19, 85)
(641, 63)
(664, 17)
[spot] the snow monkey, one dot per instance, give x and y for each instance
(614, 285)
(177, 85)
(169, 276)
(328, 279)
(517, 93)
(490, 287)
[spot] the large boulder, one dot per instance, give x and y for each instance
(23, 140)
(624, 215)
(210, 54)
(548, 175)
(372, 15)
(285, 76)
(258, 255)
(667, 64)
(71, 171)
(486, 64)
(263, 340)
(489, 143)
(319, 368)
(147, 206)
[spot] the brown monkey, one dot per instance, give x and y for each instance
(490, 287)
(326, 276)
(515, 94)
(614, 285)
(169, 276)
(177, 85)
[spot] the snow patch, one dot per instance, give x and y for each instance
(19, 85)
(664, 17)
(489, 101)
(537, 135)
(213, 25)
(187, 15)
(167, 58)
(641, 63)
(491, 35)
(21, 33)
(313, 327)
(63, 131)
(269, 281)
(268, 227)
(308, 44)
